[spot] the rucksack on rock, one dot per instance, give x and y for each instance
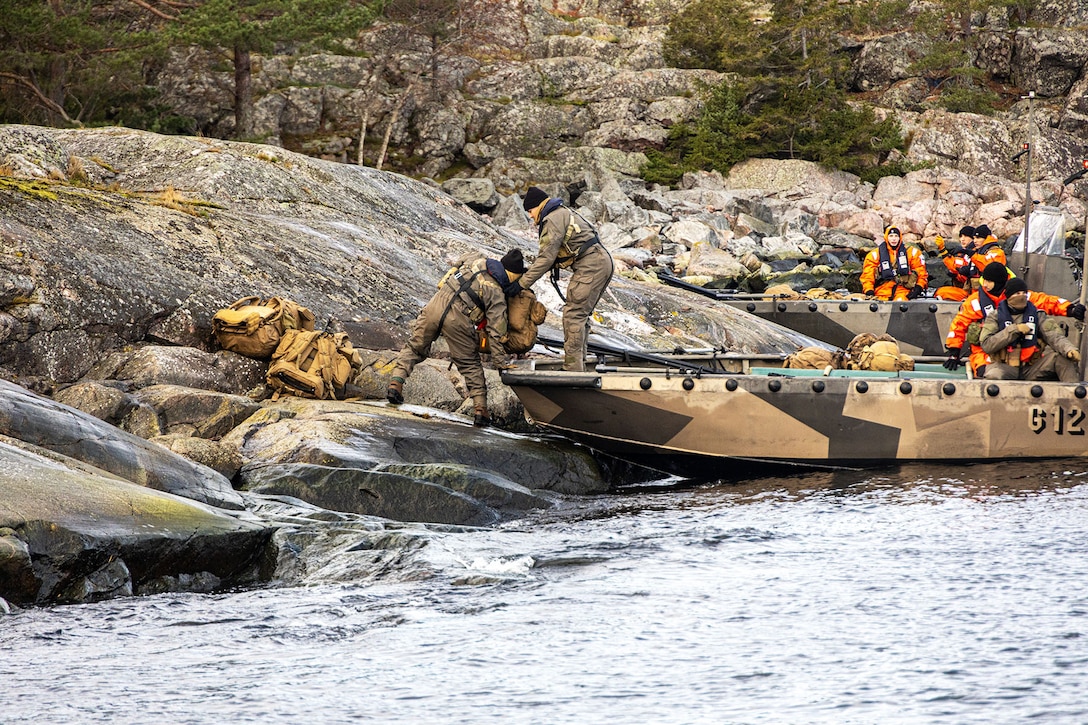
(253, 327)
(524, 312)
(313, 364)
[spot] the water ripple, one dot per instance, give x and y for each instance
(916, 594)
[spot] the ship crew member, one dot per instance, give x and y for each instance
(976, 308)
(959, 266)
(470, 299)
(894, 271)
(1024, 343)
(985, 251)
(567, 241)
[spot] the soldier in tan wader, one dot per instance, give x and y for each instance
(470, 299)
(568, 242)
(1024, 343)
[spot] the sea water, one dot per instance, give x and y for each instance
(909, 595)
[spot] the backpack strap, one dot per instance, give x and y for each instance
(581, 250)
(596, 239)
(466, 287)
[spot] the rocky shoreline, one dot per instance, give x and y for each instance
(142, 458)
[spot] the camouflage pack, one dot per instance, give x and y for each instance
(253, 327)
(313, 364)
(814, 358)
(524, 312)
(884, 355)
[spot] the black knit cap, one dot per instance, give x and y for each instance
(514, 261)
(997, 273)
(1015, 285)
(967, 232)
(533, 198)
(982, 231)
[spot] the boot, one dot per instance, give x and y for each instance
(395, 392)
(482, 419)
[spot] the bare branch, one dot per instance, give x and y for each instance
(42, 98)
(154, 11)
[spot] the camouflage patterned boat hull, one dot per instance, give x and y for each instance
(694, 424)
(919, 326)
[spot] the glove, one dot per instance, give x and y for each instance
(940, 242)
(1023, 328)
(953, 361)
(870, 293)
(1076, 311)
(513, 289)
(1073, 355)
(915, 292)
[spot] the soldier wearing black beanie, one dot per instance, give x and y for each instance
(534, 197)
(567, 241)
(997, 273)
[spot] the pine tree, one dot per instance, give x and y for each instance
(787, 98)
(243, 27)
(71, 61)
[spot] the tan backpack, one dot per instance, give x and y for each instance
(784, 291)
(524, 312)
(814, 358)
(253, 327)
(884, 355)
(313, 364)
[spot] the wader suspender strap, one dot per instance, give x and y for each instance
(581, 250)
(554, 276)
(466, 286)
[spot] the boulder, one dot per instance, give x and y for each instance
(72, 533)
(38, 421)
(409, 464)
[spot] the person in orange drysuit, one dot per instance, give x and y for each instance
(987, 250)
(983, 302)
(958, 265)
(894, 271)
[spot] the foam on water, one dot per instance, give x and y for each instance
(923, 594)
(518, 565)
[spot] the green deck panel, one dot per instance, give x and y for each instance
(921, 371)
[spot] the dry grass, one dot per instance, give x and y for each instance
(101, 162)
(76, 173)
(171, 198)
(58, 183)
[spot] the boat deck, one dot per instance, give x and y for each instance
(921, 371)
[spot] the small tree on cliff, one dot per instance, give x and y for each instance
(243, 27)
(950, 69)
(72, 61)
(427, 46)
(787, 96)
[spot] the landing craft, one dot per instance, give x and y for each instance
(719, 413)
(713, 415)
